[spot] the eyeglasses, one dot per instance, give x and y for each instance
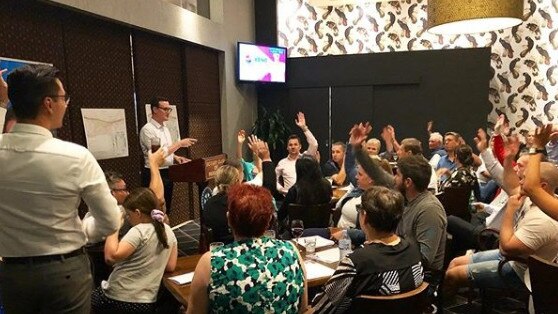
(167, 110)
(66, 97)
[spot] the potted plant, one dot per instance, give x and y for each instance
(271, 127)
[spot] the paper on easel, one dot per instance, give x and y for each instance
(316, 270)
(183, 279)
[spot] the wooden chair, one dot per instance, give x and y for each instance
(206, 237)
(456, 201)
(412, 302)
(544, 283)
(313, 216)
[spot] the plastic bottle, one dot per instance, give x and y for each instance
(344, 245)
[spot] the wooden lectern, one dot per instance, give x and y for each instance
(198, 171)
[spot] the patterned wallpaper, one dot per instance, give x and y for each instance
(523, 60)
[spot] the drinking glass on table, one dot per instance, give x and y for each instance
(155, 144)
(310, 246)
(297, 228)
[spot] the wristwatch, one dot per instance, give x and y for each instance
(534, 150)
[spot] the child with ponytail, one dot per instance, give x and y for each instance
(140, 258)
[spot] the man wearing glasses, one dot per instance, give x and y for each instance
(42, 181)
(155, 128)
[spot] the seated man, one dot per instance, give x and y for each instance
(436, 147)
(285, 170)
(446, 164)
(526, 230)
(410, 147)
(386, 264)
(334, 167)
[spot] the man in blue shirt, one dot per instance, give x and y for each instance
(452, 140)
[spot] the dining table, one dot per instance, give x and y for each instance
(187, 264)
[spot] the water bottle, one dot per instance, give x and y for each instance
(344, 245)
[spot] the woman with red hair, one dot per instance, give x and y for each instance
(253, 272)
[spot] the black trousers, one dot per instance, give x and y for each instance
(167, 183)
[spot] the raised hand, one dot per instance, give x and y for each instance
(187, 142)
(253, 142)
(502, 126)
(241, 136)
(359, 133)
(482, 140)
(3, 89)
(429, 125)
(543, 135)
(391, 131)
(301, 121)
(511, 147)
(263, 151)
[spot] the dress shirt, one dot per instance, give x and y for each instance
(42, 180)
(286, 167)
(153, 129)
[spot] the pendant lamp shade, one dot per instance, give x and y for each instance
(472, 16)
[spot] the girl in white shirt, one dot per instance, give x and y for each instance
(140, 258)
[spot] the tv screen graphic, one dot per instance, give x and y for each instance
(258, 63)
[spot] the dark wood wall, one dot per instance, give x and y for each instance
(405, 89)
(95, 59)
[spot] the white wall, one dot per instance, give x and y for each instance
(232, 21)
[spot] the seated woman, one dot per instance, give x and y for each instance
(386, 264)
(140, 258)
(254, 272)
(311, 188)
(215, 210)
(463, 175)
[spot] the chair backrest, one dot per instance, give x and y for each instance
(313, 216)
(411, 302)
(544, 283)
(206, 237)
(456, 201)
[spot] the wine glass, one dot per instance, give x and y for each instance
(297, 228)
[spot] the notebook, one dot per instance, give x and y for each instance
(183, 279)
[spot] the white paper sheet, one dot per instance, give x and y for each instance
(320, 242)
(328, 256)
(316, 270)
(105, 132)
(183, 279)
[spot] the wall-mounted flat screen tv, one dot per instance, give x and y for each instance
(257, 63)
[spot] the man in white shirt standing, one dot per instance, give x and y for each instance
(156, 128)
(285, 170)
(42, 181)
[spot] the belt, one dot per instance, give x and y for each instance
(43, 258)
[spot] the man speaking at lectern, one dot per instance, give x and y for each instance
(155, 133)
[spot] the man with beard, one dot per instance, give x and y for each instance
(424, 218)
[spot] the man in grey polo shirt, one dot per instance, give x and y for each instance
(42, 180)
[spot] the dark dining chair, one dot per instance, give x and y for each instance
(313, 216)
(544, 283)
(456, 201)
(412, 302)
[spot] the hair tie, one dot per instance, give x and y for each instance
(157, 215)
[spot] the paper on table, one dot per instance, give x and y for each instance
(328, 256)
(316, 270)
(320, 241)
(183, 279)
